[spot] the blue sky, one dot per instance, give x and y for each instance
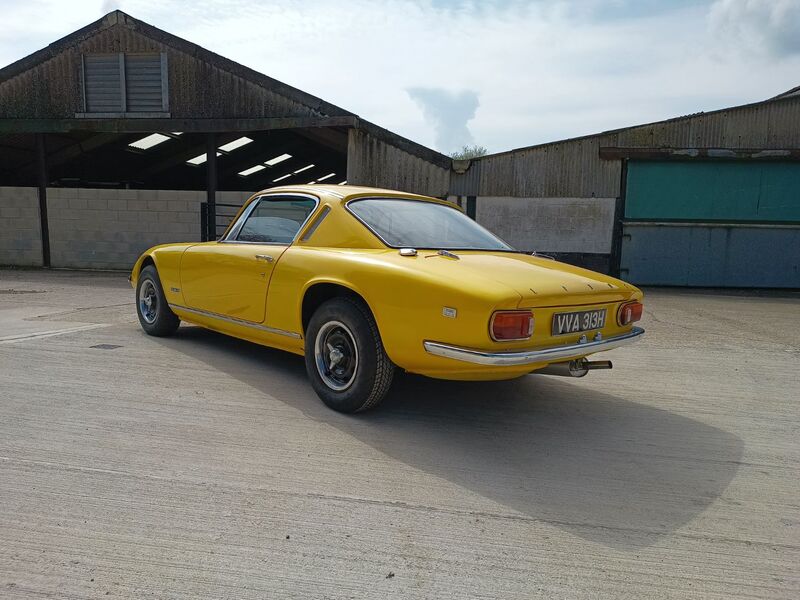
(500, 73)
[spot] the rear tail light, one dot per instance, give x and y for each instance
(509, 325)
(630, 313)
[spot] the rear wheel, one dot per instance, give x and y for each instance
(154, 313)
(345, 359)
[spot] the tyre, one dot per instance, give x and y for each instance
(154, 313)
(345, 359)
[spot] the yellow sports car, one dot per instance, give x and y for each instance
(363, 281)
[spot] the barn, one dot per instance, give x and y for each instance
(121, 136)
(708, 199)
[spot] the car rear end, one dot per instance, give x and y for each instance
(557, 314)
(524, 340)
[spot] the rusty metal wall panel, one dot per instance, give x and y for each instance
(374, 162)
(464, 184)
(566, 169)
(767, 125)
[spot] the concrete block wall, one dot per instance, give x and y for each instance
(20, 228)
(579, 231)
(109, 229)
(560, 225)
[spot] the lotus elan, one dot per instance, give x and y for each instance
(363, 281)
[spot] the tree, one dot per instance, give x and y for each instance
(468, 152)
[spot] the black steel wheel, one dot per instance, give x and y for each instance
(345, 359)
(155, 315)
(336, 355)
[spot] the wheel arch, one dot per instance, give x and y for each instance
(164, 257)
(148, 261)
(319, 292)
(145, 260)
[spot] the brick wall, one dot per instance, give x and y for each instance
(102, 229)
(20, 229)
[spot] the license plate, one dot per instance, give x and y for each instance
(573, 322)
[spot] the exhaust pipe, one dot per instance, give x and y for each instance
(574, 368)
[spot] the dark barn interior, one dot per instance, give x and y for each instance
(245, 160)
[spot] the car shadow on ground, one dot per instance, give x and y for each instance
(610, 470)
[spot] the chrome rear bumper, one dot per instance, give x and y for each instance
(529, 357)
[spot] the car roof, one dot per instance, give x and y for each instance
(341, 193)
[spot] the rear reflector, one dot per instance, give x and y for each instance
(630, 313)
(511, 325)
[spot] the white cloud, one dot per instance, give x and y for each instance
(542, 70)
(448, 113)
(768, 26)
(28, 25)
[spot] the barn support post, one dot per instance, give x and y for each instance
(41, 181)
(619, 218)
(204, 221)
(472, 207)
(211, 185)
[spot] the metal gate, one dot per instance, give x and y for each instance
(214, 219)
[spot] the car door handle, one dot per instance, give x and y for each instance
(265, 257)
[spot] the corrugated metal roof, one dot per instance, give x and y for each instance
(795, 91)
(656, 125)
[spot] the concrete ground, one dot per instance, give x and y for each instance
(201, 466)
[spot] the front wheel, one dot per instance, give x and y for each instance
(345, 359)
(155, 315)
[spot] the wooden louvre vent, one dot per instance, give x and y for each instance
(125, 84)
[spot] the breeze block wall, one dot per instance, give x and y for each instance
(98, 228)
(20, 228)
(559, 225)
(109, 229)
(578, 231)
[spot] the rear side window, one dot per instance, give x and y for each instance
(275, 220)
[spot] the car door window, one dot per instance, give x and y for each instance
(275, 220)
